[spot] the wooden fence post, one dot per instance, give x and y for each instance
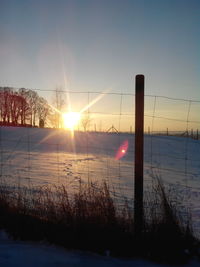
(139, 144)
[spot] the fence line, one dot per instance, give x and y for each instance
(100, 92)
(26, 155)
(100, 112)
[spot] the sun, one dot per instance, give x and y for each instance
(71, 119)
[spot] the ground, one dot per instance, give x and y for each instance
(26, 254)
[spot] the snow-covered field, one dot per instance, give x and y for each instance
(33, 156)
(17, 254)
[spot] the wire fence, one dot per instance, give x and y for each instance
(39, 157)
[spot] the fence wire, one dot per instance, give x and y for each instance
(37, 157)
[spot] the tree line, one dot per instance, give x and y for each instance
(22, 107)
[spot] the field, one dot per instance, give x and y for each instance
(39, 157)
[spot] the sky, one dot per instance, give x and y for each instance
(94, 45)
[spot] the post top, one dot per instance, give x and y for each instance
(139, 76)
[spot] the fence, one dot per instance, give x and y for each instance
(34, 156)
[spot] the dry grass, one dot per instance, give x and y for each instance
(91, 220)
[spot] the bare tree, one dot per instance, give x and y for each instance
(43, 109)
(5, 104)
(33, 101)
(13, 106)
(59, 103)
(86, 121)
(25, 108)
(22, 106)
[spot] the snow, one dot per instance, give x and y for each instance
(26, 254)
(33, 156)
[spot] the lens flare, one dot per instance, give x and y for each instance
(122, 150)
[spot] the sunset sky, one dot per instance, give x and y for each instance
(101, 45)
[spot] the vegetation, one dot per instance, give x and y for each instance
(91, 220)
(22, 107)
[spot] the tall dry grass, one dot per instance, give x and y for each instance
(91, 220)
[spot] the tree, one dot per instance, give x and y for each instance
(86, 121)
(5, 104)
(25, 106)
(58, 105)
(43, 109)
(22, 106)
(13, 106)
(33, 100)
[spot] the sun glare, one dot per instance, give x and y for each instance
(71, 119)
